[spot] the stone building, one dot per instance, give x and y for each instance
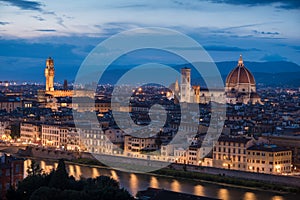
(270, 159)
(11, 172)
(230, 152)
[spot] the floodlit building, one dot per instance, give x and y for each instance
(135, 144)
(30, 133)
(230, 152)
(270, 159)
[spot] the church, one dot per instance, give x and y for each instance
(240, 87)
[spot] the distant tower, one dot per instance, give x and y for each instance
(65, 85)
(176, 91)
(196, 93)
(185, 86)
(49, 74)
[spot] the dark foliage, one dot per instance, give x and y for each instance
(58, 185)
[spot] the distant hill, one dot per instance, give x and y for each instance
(280, 73)
(265, 73)
(264, 67)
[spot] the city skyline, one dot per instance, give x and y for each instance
(149, 99)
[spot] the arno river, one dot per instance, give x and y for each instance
(135, 182)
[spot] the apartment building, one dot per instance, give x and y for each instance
(30, 132)
(270, 159)
(135, 144)
(230, 152)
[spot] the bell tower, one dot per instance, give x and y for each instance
(185, 86)
(49, 74)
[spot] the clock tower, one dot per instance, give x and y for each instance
(49, 74)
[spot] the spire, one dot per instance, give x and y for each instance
(176, 86)
(240, 63)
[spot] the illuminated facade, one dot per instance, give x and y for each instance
(230, 152)
(269, 159)
(135, 144)
(49, 89)
(30, 133)
(240, 87)
(49, 74)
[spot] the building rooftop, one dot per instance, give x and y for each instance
(267, 148)
(238, 139)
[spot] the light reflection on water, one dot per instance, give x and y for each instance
(249, 196)
(277, 198)
(154, 182)
(95, 172)
(135, 182)
(199, 190)
(114, 175)
(223, 194)
(175, 186)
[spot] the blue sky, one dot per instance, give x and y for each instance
(32, 30)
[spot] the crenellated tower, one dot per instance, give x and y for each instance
(49, 74)
(185, 86)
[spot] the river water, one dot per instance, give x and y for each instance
(134, 182)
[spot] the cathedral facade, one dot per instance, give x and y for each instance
(240, 87)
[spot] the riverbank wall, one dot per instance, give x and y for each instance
(40, 152)
(269, 178)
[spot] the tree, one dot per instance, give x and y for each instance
(59, 186)
(60, 176)
(34, 169)
(15, 130)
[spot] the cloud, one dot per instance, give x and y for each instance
(227, 48)
(60, 21)
(214, 48)
(46, 30)
(273, 57)
(266, 33)
(4, 23)
(284, 4)
(25, 5)
(38, 18)
(297, 48)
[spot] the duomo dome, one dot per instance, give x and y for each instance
(240, 85)
(240, 79)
